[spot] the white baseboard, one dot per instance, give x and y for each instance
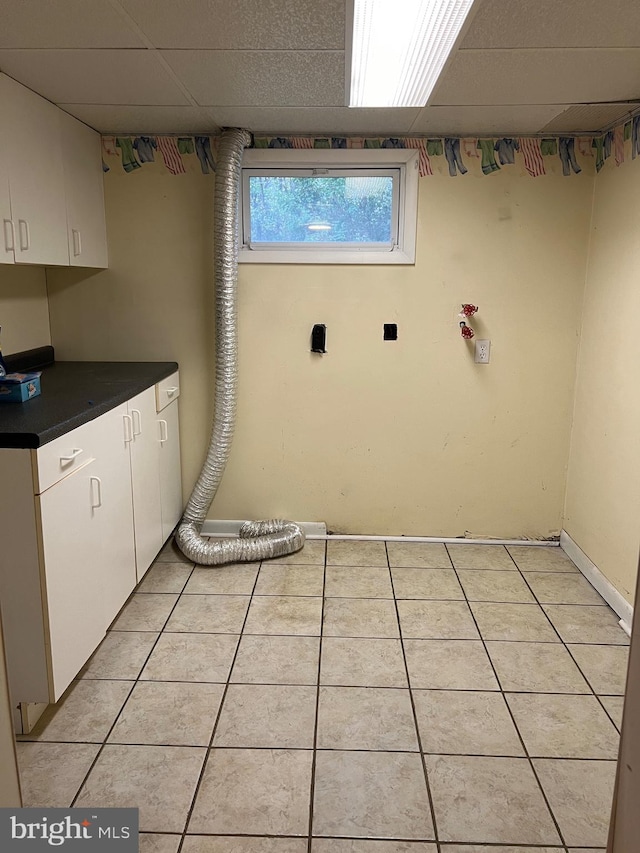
(598, 581)
(442, 540)
(318, 530)
(231, 527)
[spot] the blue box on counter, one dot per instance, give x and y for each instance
(19, 387)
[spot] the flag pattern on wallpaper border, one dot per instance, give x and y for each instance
(170, 154)
(618, 144)
(302, 141)
(530, 150)
(423, 157)
(533, 162)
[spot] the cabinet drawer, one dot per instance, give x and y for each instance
(167, 391)
(65, 454)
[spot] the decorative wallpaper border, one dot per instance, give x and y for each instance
(455, 156)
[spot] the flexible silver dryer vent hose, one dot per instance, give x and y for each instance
(259, 540)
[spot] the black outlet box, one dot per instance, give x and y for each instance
(390, 332)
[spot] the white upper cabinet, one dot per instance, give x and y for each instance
(7, 238)
(82, 161)
(51, 197)
(36, 177)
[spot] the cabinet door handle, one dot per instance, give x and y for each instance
(71, 456)
(172, 391)
(128, 429)
(77, 242)
(135, 413)
(9, 235)
(25, 235)
(98, 482)
(164, 431)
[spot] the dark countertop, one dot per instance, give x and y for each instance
(73, 393)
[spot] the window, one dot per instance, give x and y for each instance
(336, 206)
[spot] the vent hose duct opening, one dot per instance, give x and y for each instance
(258, 540)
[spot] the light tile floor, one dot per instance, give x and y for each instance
(356, 697)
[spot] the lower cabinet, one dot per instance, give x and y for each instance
(145, 478)
(154, 438)
(170, 470)
(71, 539)
(84, 517)
(88, 548)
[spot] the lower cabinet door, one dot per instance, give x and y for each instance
(145, 479)
(72, 536)
(170, 476)
(88, 550)
(117, 551)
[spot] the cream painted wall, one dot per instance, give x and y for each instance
(602, 512)
(24, 312)
(9, 782)
(412, 437)
(154, 302)
(375, 437)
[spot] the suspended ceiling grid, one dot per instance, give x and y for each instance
(278, 66)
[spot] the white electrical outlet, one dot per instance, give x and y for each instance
(483, 352)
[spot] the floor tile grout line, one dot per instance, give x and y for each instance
(367, 636)
(504, 699)
(332, 749)
(604, 605)
(538, 602)
(566, 646)
(616, 725)
(350, 598)
(384, 687)
(312, 788)
(413, 711)
(218, 715)
(403, 840)
(591, 687)
(135, 681)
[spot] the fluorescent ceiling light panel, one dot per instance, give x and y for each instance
(400, 47)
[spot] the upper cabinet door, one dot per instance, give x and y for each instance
(7, 238)
(36, 176)
(82, 159)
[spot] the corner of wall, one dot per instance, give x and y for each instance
(578, 348)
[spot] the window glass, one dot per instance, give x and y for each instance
(334, 208)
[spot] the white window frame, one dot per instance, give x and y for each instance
(402, 251)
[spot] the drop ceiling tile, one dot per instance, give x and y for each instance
(63, 23)
(589, 118)
(555, 23)
(331, 121)
(93, 76)
(241, 24)
(261, 78)
(476, 121)
(540, 77)
(148, 120)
